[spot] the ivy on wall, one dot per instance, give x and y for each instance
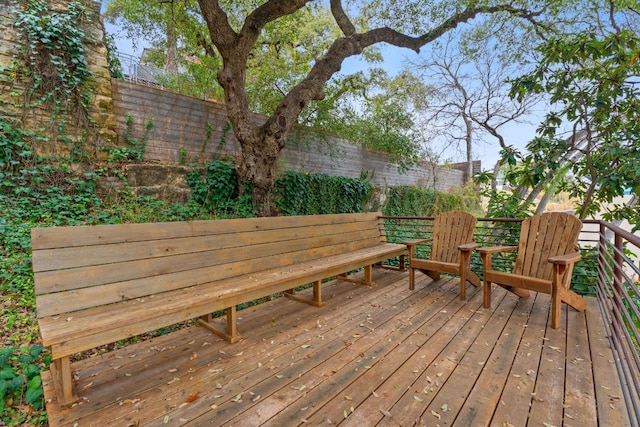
(309, 194)
(48, 86)
(53, 55)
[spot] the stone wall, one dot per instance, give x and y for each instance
(93, 130)
(191, 129)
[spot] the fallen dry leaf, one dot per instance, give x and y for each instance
(385, 413)
(193, 397)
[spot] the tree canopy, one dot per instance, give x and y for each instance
(284, 58)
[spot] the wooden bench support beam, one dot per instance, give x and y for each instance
(231, 333)
(368, 277)
(401, 267)
(63, 381)
(316, 300)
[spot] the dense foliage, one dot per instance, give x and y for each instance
(421, 201)
(592, 82)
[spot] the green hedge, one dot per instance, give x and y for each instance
(215, 188)
(420, 201)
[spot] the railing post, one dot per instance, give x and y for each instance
(617, 260)
(616, 270)
(602, 259)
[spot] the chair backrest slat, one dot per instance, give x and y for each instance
(450, 230)
(543, 236)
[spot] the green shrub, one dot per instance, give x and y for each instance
(215, 187)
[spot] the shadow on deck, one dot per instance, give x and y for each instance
(372, 356)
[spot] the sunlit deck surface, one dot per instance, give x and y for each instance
(371, 356)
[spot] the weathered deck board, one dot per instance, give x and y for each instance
(371, 356)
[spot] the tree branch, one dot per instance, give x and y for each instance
(222, 35)
(343, 21)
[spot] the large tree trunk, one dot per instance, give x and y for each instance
(172, 50)
(469, 147)
(257, 171)
(171, 63)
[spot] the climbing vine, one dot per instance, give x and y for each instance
(44, 88)
(309, 194)
(52, 56)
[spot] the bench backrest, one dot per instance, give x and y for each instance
(85, 266)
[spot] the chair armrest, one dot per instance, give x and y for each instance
(416, 242)
(566, 259)
(495, 249)
(467, 247)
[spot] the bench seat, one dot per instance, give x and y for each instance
(96, 285)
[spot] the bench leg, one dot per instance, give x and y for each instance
(316, 301)
(231, 332)
(63, 381)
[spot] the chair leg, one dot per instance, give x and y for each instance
(486, 291)
(412, 278)
(487, 294)
(556, 310)
(473, 278)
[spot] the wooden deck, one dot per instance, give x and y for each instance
(372, 356)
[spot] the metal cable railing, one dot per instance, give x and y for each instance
(608, 269)
(619, 300)
(137, 71)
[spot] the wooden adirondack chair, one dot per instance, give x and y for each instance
(452, 244)
(547, 252)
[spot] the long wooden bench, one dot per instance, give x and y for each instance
(97, 285)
